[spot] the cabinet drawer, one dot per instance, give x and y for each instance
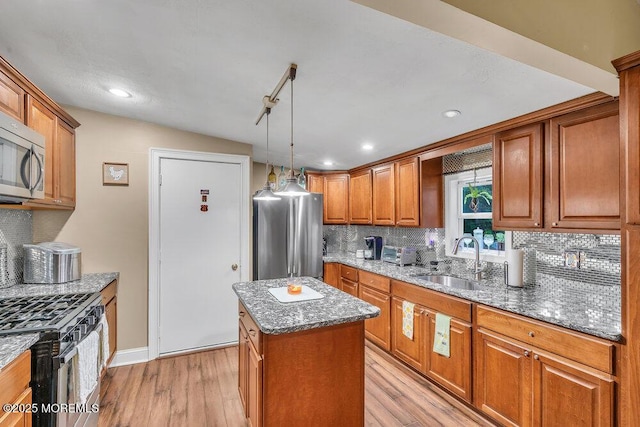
(250, 325)
(109, 292)
(15, 377)
(349, 272)
(592, 352)
(436, 301)
(371, 280)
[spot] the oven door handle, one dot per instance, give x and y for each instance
(64, 358)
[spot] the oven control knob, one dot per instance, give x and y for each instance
(76, 335)
(92, 320)
(83, 328)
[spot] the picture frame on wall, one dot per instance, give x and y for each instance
(115, 173)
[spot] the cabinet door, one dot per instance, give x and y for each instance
(503, 380)
(254, 388)
(584, 164)
(378, 329)
(66, 164)
(360, 197)
(408, 192)
(630, 135)
(11, 98)
(332, 274)
(384, 210)
(453, 372)
(349, 287)
(315, 183)
(568, 394)
(111, 313)
(43, 121)
(243, 367)
(336, 199)
(410, 351)
(517, 178)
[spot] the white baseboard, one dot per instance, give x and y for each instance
(130, 356)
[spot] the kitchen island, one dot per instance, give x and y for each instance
(301, 362)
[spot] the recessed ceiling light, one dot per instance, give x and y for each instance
(451, 113)
(119, 92)
(367, 147)
(328, 163)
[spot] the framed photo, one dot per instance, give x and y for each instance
(115, 173)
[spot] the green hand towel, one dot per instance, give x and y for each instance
(442, 335)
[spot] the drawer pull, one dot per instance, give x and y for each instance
(536, 357)
(242, 313)
(531, 334)
(252, 332)
(526, 353)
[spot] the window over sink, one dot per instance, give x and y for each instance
(468, 212)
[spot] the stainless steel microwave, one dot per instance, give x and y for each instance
(21, 161)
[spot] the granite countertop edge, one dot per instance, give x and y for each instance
(88, 283)
(488, 297)
(12, 346)
(275, 318)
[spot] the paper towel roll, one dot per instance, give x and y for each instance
(515, 259)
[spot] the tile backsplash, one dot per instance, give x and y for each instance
(544, 259)
(15, 230)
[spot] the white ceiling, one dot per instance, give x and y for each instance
(204, 66)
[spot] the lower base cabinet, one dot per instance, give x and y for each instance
(331, 274)
(15, 390)
(312, 377)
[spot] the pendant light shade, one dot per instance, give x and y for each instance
(266, 193)
(292, 188)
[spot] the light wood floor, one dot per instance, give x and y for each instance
(200, 389)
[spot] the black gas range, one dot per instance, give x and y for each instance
(62, 321)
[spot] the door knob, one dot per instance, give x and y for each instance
(234, 267)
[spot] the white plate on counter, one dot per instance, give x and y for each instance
(307, 294)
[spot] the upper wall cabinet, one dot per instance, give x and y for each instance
(584, 169)
(60, 156)
(518, 178)
(336, 198)
(384, 211)
(11, 98)
(408, 192)
(23, 101)
(360, 211)
(315, 182)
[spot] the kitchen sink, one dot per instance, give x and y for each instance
(451, 281)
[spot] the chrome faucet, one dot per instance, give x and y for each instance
(477, 270)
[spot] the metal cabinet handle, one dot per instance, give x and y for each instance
(242, 313)
(531, 334)
(252, 332)
(234, 267)
(526, 353)
(535, 224)
(536, 357)
(555, 224)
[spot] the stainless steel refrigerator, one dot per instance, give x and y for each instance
(287, 237)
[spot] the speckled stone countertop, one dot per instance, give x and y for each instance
(88, 283)
(575, 311)
(275, 317)
(12, 346)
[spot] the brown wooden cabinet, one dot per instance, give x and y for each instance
(11, 98)
(110, 301)
(316, 370)
(407, 192)
(15, 390)
(331, 274)
(528, 373)
(360, 209)
(384, 206)
(60, 156)
(411, 351)
(349, 280)
(518, 178)
(375, 289)
(336, 198)
(315, 182)
(584, 169)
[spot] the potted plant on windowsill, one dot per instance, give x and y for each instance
(500, 240)
(474, 195)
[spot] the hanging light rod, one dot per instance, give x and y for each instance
(289, 74)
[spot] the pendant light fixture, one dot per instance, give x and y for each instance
(266, 193)
(291, 188)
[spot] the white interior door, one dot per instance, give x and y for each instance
(200, 250)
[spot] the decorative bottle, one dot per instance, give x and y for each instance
(302, 179)
(282, 178)
(272, 179)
